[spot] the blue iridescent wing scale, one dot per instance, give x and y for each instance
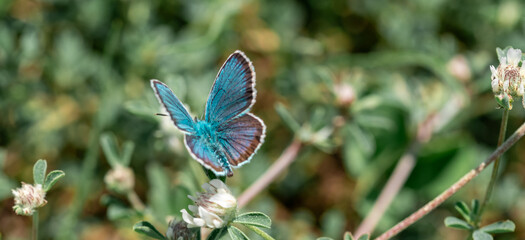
(204, 155)
(241, 138)
(233, 91)
(178, 113)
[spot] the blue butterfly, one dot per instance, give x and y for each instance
(229, 135)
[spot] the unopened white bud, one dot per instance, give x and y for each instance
(120, 179)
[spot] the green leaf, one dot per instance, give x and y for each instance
(39, 171)
(109, 146)
(364, 237)
(257, 219)
(147, 229)
(455, 222)
(475, 209)
(499, 227)
(359, 145)
(52, 178)
(127, 151)
(218, 234)
(287, 118)
(348, 236)
(332, 223)
(108, 141)
(480, 235)
(463, 209)
(325, 238)
(115, 212)
(260, 232)
(160, 199)
(236, 234)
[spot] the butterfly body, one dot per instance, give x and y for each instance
(208, 135)
(229, 135)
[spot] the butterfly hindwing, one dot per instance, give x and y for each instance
(178, 113)
(241, 138)
(203, 154)
(233, 91)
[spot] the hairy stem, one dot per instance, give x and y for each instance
(35, 225)
(286, 158)
(391, 189)
(494, 176)
(414, 217)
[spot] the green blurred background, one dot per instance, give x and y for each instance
(352, 79)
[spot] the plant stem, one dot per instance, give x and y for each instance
(391, 189)
(35, 225)
(401, 172)
(135, 201)
(286, 158)
(494, 176)
(414, 217)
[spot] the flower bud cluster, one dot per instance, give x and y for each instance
(180, 231)
(507, 79)
(28, 198)
(120, 179)
(214, 208)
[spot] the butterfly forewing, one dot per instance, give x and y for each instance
(178, 113)
(233, 91)
(241, 138)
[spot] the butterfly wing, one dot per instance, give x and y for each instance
(178, 113)
(233, 91)
(241, 138)
(204, 155)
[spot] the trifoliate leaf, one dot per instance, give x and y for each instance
(255, 219)
(455, 222)
(236, 234)
(464, 210)
(147, 229)
(475, 208)
(499, 227)
(52, 178)
(39, 171)
(259, 232)
(218, 234)
(480, 235)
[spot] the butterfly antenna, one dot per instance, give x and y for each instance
(161, 114)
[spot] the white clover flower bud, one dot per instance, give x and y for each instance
(507, 79)
(120, 179)
(27, 198)
(214, 208)
(459, 67)
(180, 231)
(345, 94)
